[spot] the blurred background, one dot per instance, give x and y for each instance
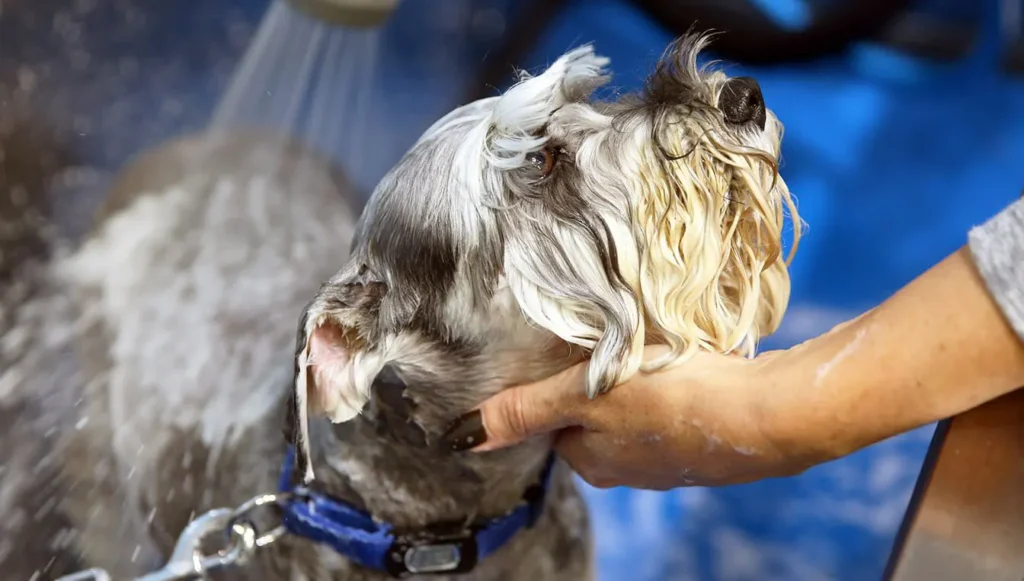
(904, 127)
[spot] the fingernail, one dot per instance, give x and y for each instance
(465, 432)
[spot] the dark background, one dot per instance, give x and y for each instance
(892, 153)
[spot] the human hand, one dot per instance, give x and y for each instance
(935, 349)
(700, 423)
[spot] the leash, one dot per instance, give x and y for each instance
(439, 548)
(188, 562)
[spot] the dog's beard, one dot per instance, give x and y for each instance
(678, 236)
(711, 217)
(693, 259)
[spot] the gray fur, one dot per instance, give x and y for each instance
(34, 534)
(182, 350)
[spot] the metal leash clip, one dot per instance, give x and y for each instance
(189, 562)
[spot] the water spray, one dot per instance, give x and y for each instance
(349, 13)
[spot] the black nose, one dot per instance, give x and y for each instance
(741, 102)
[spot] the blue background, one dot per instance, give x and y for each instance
(891, 159)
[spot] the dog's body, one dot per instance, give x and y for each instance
(175, 396)
(480, 262)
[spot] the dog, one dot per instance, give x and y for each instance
(521, 234)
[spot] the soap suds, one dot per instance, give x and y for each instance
(825, 368)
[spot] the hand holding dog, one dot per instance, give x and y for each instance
(938, 347)
(692, 424)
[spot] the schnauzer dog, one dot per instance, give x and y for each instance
(521, 234)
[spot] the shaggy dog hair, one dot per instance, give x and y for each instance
(521, 234)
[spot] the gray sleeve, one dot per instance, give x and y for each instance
(997, 247)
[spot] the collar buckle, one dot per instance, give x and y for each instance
(436, 555)
(437, 549)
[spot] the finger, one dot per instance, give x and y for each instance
(520, 412)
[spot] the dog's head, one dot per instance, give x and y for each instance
(539, 213)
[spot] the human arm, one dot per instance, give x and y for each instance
(949, 341)
(939, 346)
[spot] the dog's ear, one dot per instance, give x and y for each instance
(332, 369)
(519, 116)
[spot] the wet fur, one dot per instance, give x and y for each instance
(177, 392)
(96, 491)
(33, 533)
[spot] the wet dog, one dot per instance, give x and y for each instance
(521, 234)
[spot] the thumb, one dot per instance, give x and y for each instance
(517, 413)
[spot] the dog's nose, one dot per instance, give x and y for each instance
(741, 102)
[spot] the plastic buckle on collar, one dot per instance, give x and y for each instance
(443, 554)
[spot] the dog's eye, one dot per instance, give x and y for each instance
(543, 160)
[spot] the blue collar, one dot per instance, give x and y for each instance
(436, 549)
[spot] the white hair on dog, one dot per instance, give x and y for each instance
(654, 219)
(570, 293)
(712, 211)
(700, 279)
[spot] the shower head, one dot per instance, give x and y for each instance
(351, 13)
